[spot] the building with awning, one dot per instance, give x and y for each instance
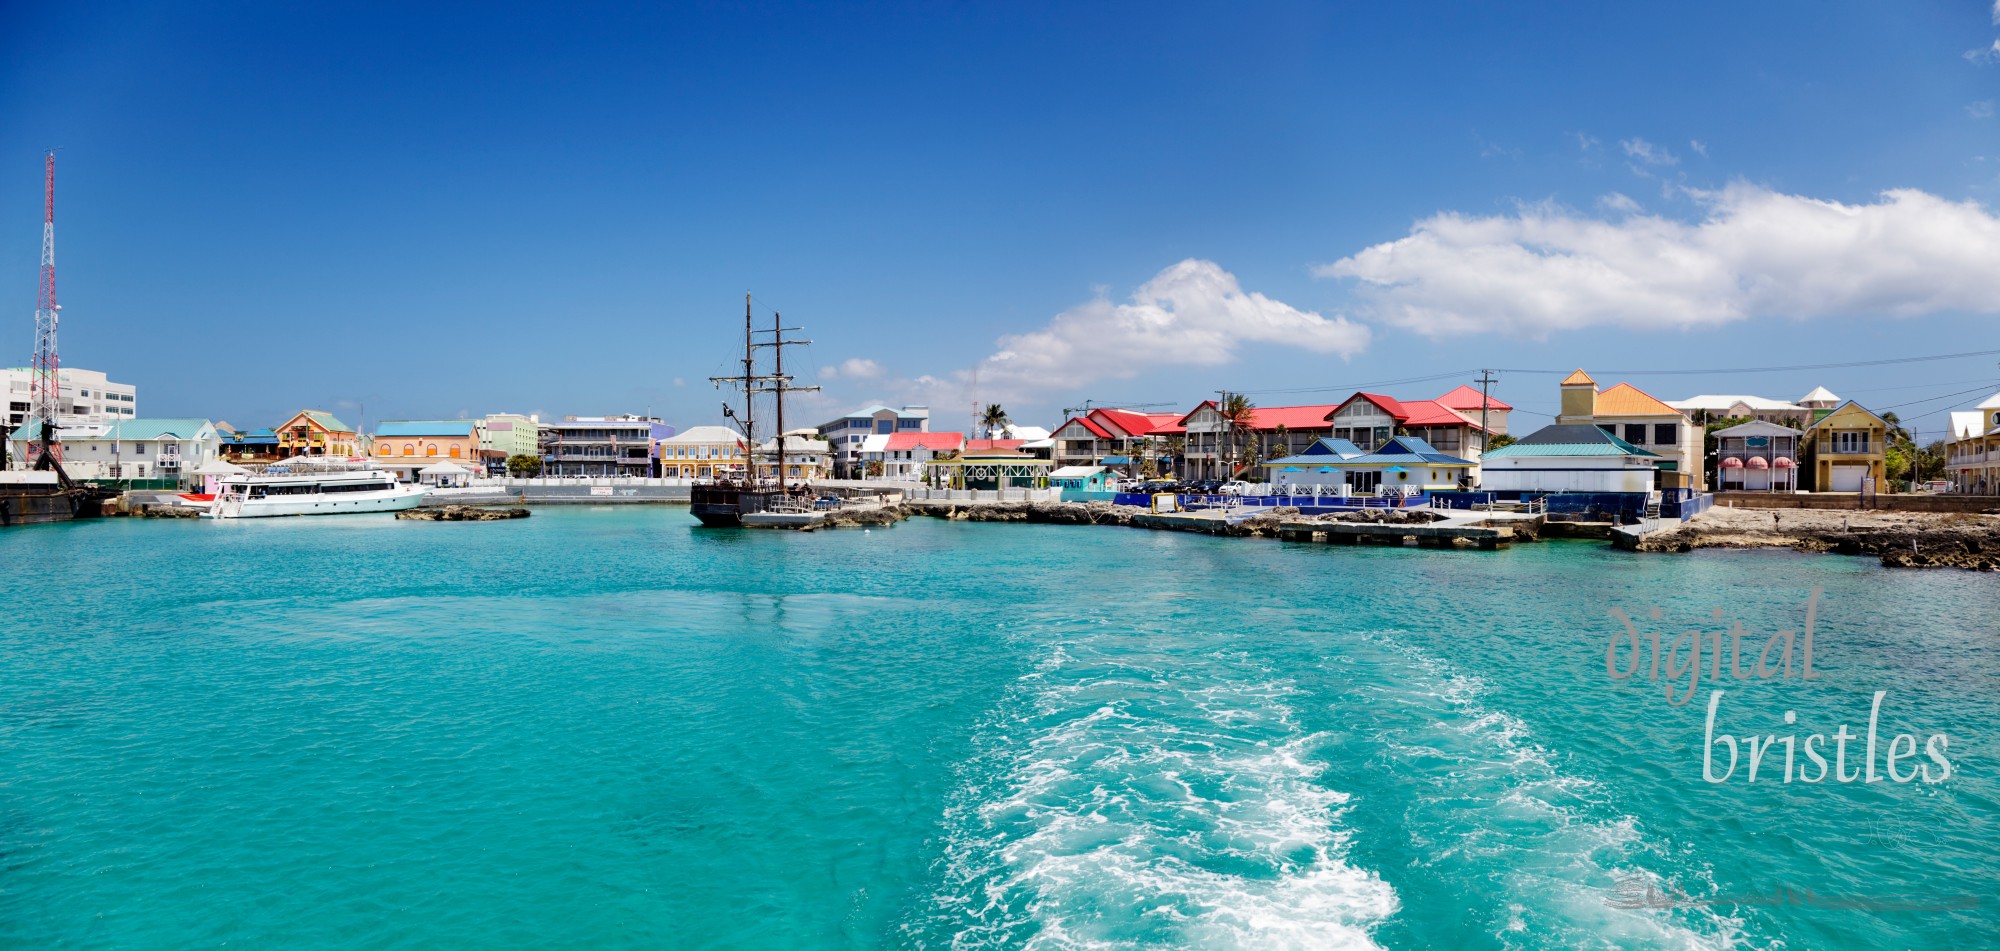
(989, 470)
(1319, 465)
(1757, 456)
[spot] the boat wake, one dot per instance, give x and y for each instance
(1493, 817)
(1160, 798)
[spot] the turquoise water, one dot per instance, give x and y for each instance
(608, 728)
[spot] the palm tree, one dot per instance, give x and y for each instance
(1238, 412)
(995, 418)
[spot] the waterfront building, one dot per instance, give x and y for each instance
(847, 433)
(1081, 479)
(807, 457)
(1642, 420)
(1757, 456)
(1317, 467)
(248, 448)
(703, 452)
(159, 451)
(1212, 444)
(1114, 437)
(1846, 448)
(86, 396)
(602, 446)
(988, 470)
(903, 455)
(1406, 465)
(1972, 454)
(502, 436)
(1707, 408)
(404, 446)
(313, 432)
(1570, 457)
(1369, 420)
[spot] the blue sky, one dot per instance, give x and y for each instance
(478, 208)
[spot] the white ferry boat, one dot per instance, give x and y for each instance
(312, 489)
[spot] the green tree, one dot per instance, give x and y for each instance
(1501, 440)
(1238, 413)
(873, 469)
(995, 418)
(524, 466)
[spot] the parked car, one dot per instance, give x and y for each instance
(1235, 487)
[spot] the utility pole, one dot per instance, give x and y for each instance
(1485, 380)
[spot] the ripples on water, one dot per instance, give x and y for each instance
(610, 729)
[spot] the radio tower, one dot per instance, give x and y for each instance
(45, 386)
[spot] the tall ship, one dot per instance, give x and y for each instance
(750, 500)
(312, 487)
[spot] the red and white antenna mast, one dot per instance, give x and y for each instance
(45, 386)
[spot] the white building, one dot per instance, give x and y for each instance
(1708, 407)
(87, 396)
(847, 434)
(1757, 456)
(1569, 457)
(129, 448)
(902, 456)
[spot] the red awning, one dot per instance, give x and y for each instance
(1784, 463)
(1732, 463)
(1758, 462)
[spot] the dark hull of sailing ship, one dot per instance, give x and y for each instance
(31, 504)
(723, 504)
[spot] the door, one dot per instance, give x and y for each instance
(1847, 478)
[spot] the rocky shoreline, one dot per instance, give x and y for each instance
(460, 513)
(1898, 539)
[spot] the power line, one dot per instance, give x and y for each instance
(1803, 366)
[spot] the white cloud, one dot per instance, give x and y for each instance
(1647, 152)
(1982, 109)
(1700, 148)
(1191, 314)
(679, 381)
(1987, 55)
(854, 368)
(1585, 141)
(1619, 202)
(1754, 253)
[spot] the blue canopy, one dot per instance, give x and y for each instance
(1328, 469)
(1115, 461)
(1291, 469)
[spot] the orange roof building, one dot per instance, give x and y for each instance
(1640, 418)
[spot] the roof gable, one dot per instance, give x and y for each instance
(1579, 378)
(1628, 400)
(1467, 398)
(1569, 439)
(1847, 414)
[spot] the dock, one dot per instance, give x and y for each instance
(1483, 531)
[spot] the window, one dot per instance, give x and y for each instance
(431, 450)
(1850, 441)
(1609, 429)
(1635, 433)
(409, 450)
(454, 450)
(1666, 434)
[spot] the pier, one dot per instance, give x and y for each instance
(1484, 531)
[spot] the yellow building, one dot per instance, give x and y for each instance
(1846, 446)
(703, 452)
(316, 433)
(1639, 418)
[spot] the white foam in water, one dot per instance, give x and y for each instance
(1528, 819)
(1158, 803)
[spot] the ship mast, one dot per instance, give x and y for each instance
(776, 383)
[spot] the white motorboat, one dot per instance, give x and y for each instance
(317, 487)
